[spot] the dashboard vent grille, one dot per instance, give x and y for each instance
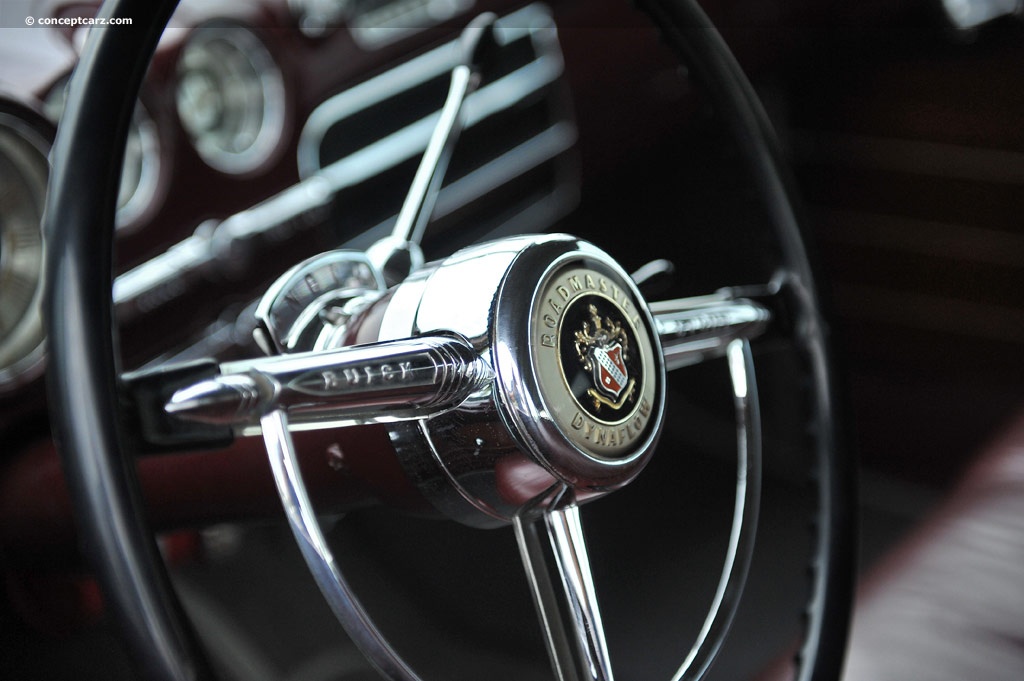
(513, 158)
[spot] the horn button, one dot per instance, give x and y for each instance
(577, 400)
(589, 343)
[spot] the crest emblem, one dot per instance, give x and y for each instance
(603, 349)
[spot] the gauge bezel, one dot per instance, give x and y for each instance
(26, 340)
(147, 190)
(267, 141)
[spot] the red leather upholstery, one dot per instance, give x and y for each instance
(949, 603)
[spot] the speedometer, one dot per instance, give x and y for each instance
(23, 176)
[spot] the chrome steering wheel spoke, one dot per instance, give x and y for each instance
(694, 329)
(554, 554)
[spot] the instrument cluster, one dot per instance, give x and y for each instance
(216, 132)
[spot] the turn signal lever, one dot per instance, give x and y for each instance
(375, 383)
(399, 255)
(311, 305)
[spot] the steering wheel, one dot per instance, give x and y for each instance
(522, 416)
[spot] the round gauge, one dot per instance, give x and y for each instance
(316, 17)
(141, 171)
(23, 177)
(230, 98)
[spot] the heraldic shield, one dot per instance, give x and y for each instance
(610, 372)
(603, 348)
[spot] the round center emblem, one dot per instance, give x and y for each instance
(599, 357)
(593, 355)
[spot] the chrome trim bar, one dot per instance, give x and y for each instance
(533, 21)
(694, 329)
(533, 153)
(543, 147)
(412, 140)
(378, 383)
(220, 246)
(384, 23)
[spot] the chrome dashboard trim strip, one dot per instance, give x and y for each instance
(394, 21)
(533, 21)
(411, 140)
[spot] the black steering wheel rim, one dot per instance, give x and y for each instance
(83, 364)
